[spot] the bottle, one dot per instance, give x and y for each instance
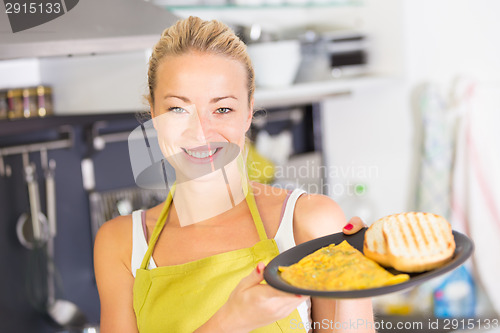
(456, 296)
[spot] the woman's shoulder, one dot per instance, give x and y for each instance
(115, 235)
(316, 215)
(119, 229)
(268, 192)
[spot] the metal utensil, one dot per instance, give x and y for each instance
(30, 170)
(33, 234)
(50, 188)
(63, 312)
(32, 227)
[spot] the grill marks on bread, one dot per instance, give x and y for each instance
(412, 242)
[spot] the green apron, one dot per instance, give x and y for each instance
(181, 298)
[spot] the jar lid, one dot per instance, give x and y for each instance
(29, 92)
(43, 90)
(14, 93)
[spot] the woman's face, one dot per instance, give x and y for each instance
(201, 111)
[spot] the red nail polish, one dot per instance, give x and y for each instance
(258, 269)
(348, 226)
(298, 295)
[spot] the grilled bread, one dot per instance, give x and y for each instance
(412, 242)
(374, 245)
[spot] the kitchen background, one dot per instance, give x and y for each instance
(386, 106)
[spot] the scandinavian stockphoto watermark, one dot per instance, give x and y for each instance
(26, 14)
(313, 177)
(410, 325)
(311, 169)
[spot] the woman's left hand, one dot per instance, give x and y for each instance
(354, 225)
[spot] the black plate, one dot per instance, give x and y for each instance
(463, 251)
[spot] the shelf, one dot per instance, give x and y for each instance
(297, 94)
(312, 92)
(324, 4)
(33, 125)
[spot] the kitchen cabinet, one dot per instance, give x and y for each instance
(243, 5)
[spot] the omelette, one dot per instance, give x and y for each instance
(338, 267)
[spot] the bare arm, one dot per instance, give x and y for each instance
(115, 282)
(316, 216)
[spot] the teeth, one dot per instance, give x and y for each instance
(201, 154)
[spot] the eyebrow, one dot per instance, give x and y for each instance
(216, 99)
(213, 100)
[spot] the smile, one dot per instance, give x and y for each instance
(201, 154)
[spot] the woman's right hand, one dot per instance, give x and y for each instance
(252, 304)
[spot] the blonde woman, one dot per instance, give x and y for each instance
(195, 262)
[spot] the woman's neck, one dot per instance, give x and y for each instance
(211, 195)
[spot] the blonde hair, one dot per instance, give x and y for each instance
(195, 34)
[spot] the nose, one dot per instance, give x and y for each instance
(200, 126)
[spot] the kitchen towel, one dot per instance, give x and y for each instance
(476, 181)
(438, 144)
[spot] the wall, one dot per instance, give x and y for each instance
(97, 84)
(19, 73)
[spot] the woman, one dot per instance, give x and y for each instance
(211, 238)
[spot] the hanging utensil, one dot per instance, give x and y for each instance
(63, 312)
(32, 227)
(32, 232)
(50, 188)
(51, 218)
(30, 170)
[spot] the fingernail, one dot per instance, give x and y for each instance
(348, 226)
(259, 269)
(298, 295)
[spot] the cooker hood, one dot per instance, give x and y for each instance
(90, 27)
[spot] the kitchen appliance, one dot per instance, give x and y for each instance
(334, 54)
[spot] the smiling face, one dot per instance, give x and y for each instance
(201, 111)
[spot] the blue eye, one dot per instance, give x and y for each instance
(176, 109)
(223, 110)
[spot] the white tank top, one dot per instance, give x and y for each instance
(284, 239)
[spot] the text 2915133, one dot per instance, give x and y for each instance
(47, 7)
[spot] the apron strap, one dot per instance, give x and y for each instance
(259, 225)
(250, 198)
(158, 228)
(252, 205)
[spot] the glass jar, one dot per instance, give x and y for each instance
(45, 105)
(29, 103)
(15, 103)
